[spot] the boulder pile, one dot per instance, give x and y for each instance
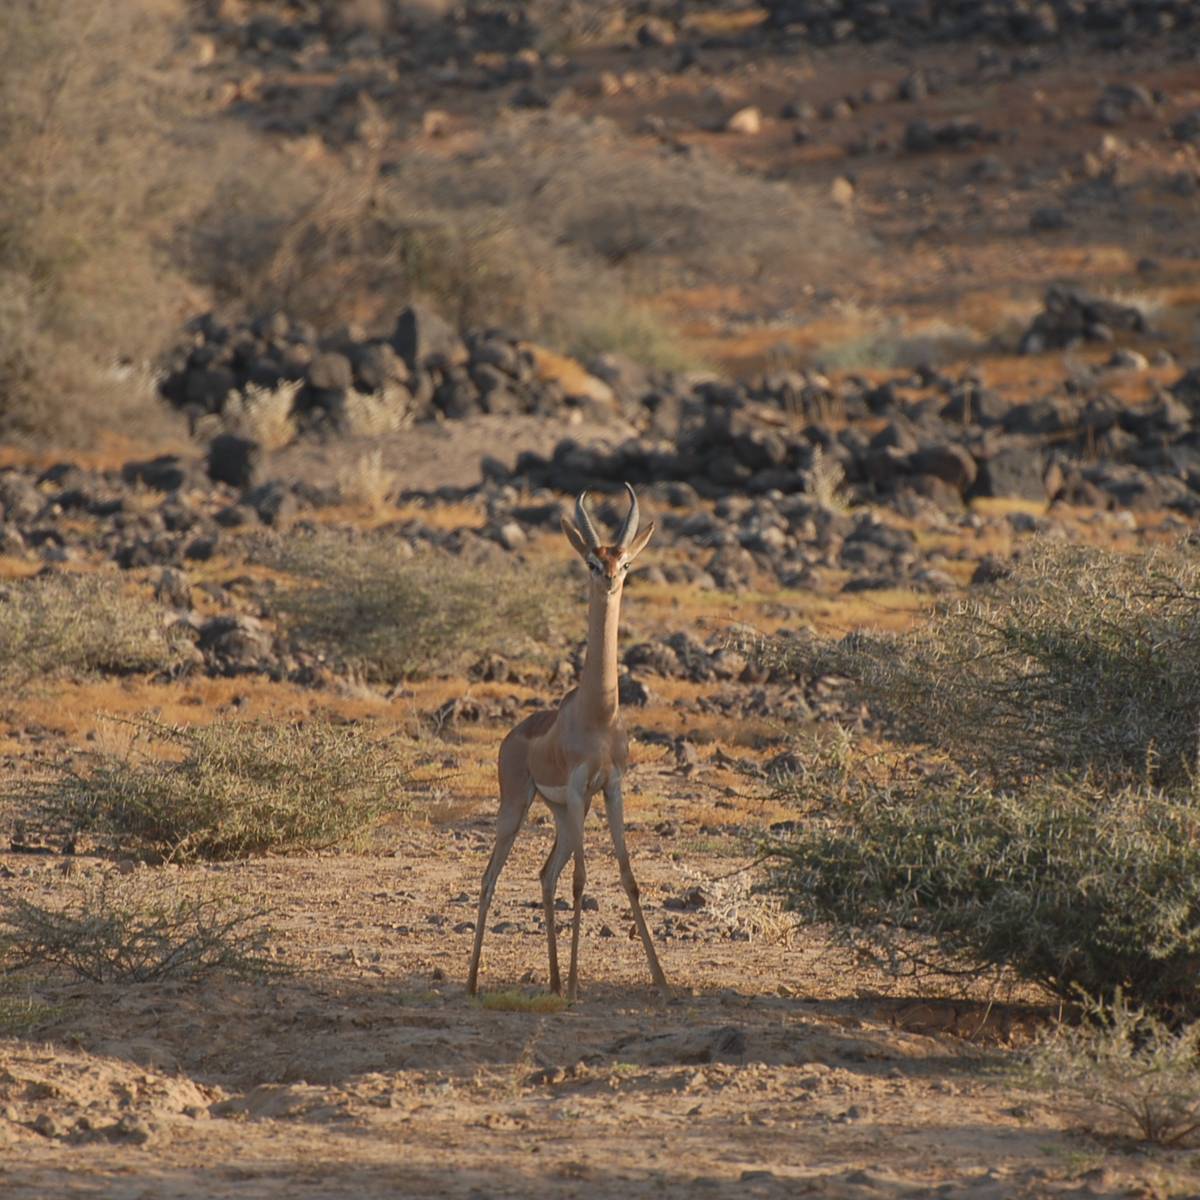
(1069, 317)
(1027, 22)
(423, 368)
(945, 438)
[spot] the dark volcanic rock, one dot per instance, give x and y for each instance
(273, 502)
(1028, 22)
(167, 473)
(1070, 316)
(948, 462)
(1014, 470)
(233, 460)
(421, 336)
(331, 372)
(235, 645)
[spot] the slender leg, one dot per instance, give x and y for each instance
(508, 825)
(576, 812)
(551, 870)
(614, 807)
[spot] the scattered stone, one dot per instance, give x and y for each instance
(633, 692)
(233, 460)
(1120, 101)
(273, 502)
(1070, 316)
(1048, 219)
(655, 31)
(1013, 470)
(1127, 360)
(1187, 128)
(421, 336)
(746, 121)
(172, 588)
(725, 1044)
(841, 192)
(692, 900)
(510, 535)
(236, 645)
(920, 136)
(166, 473)
(435, 122)
(49, 1126)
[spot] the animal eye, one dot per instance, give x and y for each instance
(594, 567)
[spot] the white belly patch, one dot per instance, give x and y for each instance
(558, 795)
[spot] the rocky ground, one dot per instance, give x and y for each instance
(1005, 349)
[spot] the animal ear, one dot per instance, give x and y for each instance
(639, 542)
(575, 537)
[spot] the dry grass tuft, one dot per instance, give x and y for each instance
(743, 906)
(367, 415)
(367, 483)
(1123, 1071)
(891, 344)
(266, 415)
(136, 930)
(827, 481)
(226, 790)
(623, 326)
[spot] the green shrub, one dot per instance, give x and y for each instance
(1052, 826)
(136, 930)
(1083, 660)
(1122, 1071)
(227, 790)
(634, 330)
(64, 624)
(21, 1014)
(1069, 884)
(391, 616)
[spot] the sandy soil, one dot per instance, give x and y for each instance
(779, 1069)
(446, 454)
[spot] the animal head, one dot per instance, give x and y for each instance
(607, 564)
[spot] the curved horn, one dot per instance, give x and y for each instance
(630, 525)
(584, 522)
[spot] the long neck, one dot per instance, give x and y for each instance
(598, 683)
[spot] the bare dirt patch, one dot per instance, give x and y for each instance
(779, 1069)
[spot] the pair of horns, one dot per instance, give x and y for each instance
(628, 527)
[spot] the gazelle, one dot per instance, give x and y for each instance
(568, 754)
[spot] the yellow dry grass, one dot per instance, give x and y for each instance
(519, 1002)
(569, 374)
(734, 20)
(375, 516)
(12, 567)
(81, 711)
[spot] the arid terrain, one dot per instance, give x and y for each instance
(864, 307)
